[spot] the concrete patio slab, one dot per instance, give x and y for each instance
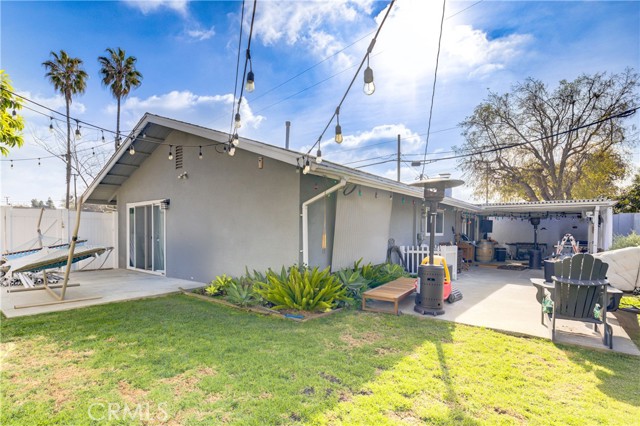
(505, 300)
(111, 285)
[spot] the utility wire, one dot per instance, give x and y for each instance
(463, 10)
(481, 150)
(433, 91)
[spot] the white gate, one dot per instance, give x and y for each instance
(414, 254)
(19, 231)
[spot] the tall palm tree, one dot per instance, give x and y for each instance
(68, 78)
(119, 72)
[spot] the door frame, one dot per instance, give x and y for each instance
(164, 230)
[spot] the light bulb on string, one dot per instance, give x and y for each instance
(38, 161)
(50, 124)
(14, 109)
(369, 86)
(103, 141)
(170, 152)
(251, 85)
(12, 164)
(232, 150)
(200, 154)
(307, 167)
(338, 137)
(132, 150)
(238, 120)
(78, 134)
(235, 140)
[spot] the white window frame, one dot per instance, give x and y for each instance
(426, 224)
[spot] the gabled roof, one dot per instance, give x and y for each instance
(104, 188)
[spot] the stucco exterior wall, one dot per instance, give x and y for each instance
(310, 186)
(227, 215)
(405, 214)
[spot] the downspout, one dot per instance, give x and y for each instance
(305, 218)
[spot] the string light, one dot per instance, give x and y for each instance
(132, 150)
(319, 156)
(307, 167)
(12, 164)
(38, 161)
(78, 134)
(232, 150)
(235, 140)
(50, 124)
(250, 86)
(14, 109)
(103, 141)
(170, 152)
(238, 120)
(200, 154)
(369, 86)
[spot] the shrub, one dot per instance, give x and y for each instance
(622, 241)
(379, 274)
(218, 286)
(302, 289)
(241, 293)
(353, 282)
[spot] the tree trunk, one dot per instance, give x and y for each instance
(118, 126)
(68, 157)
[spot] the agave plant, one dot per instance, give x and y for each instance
(354, 282)
(302, 289)
(241, 293)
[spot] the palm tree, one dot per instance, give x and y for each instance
(119, 73)
(68, 78)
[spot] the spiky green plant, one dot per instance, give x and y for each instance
(219, 285)
(354, 282)
(302, 289)
(241, 293)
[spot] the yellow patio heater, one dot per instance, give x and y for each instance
(430, 299)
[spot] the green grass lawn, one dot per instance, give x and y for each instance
(205, 364)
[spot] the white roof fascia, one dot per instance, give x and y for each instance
(355, 177)
(114, 158)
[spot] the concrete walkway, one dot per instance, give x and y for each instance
(111, 285)
(505, 300)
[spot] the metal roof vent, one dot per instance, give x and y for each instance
(178, 157)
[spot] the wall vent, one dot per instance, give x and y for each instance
(178, 157)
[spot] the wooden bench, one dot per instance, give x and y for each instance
(393, 291)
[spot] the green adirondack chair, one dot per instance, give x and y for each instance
(580, 282)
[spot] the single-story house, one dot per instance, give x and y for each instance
(188, 209)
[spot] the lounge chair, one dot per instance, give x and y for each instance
(578, 292)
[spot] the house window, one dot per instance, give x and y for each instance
(439, 223)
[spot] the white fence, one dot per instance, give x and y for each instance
(19, 231)
(413, 256)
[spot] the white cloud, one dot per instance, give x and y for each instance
(149, 6)
(187, 106)
(55, 102)
(200, 34)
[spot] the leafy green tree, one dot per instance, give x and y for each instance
(37, 203)
(50, 204)
(532, 143)
(69, 78)
(11, 123)
(629, 200)
(119, 73)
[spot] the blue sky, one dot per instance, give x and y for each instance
(187, 51)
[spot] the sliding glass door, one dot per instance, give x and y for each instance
(146, 237)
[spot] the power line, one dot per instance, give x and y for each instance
(463, 10)
(435, 79)
(480, 150)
